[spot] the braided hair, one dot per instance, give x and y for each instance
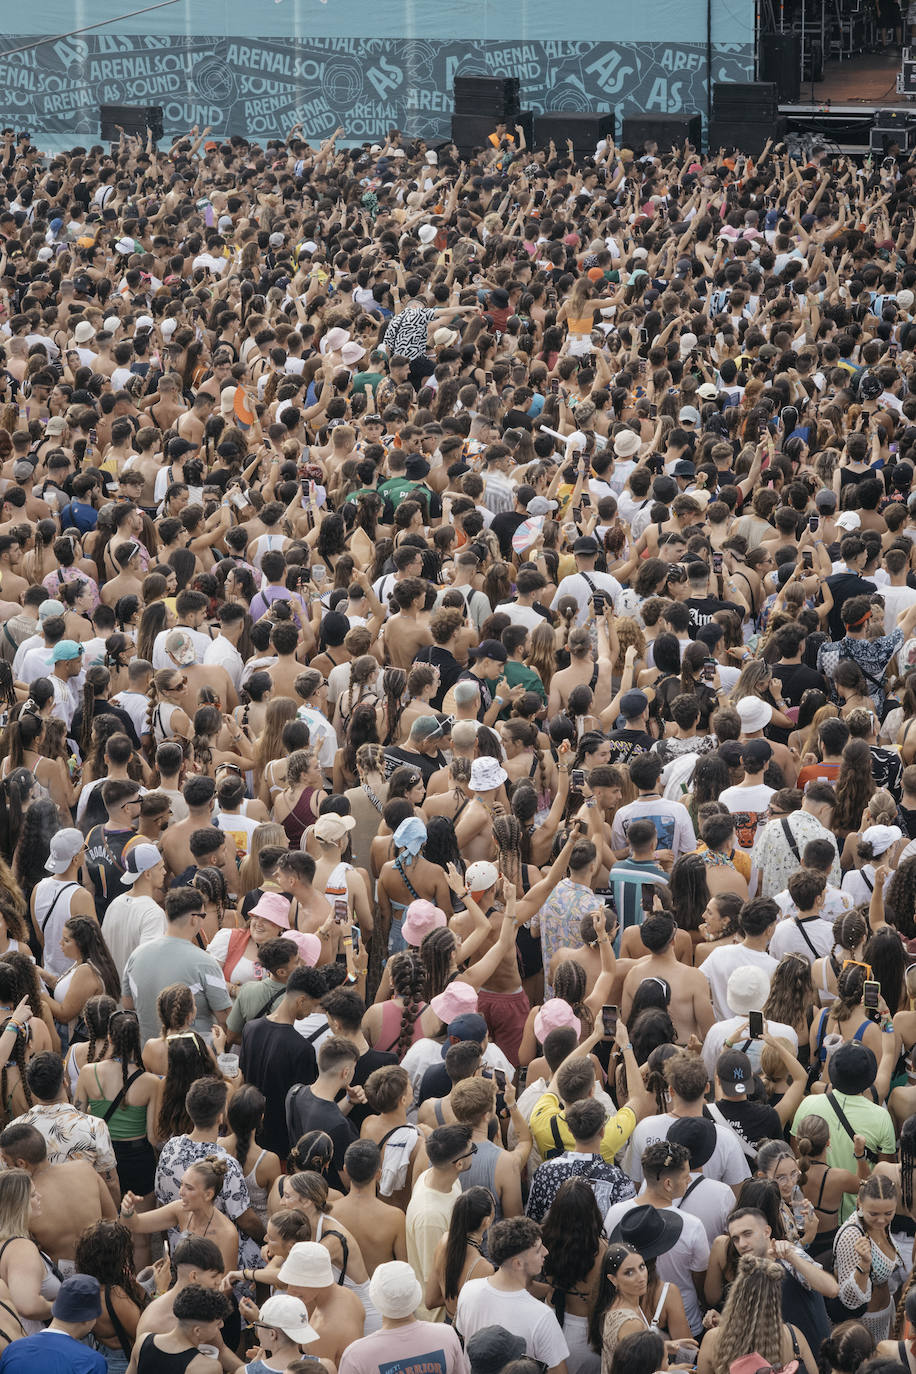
(408, 981)
(206, 728)
(570, 983)
(436, 952)
(98, 680)
(97, 1014)
(10, 992)
(124, 1039)
(174, 1005)
(811, 1138)
(159, 682)
(507, 832)
(394, 687)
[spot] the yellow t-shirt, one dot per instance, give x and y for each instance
(549, 1129)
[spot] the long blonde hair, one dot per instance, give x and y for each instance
(280, 711)
(752, 1316)
(250, 875)
(15, 1192)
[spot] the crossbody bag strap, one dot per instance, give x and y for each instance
(115, 1104)
(870, 1154)
(790, 838)
(747, 1150)
(407, 883)
(119, 1328)
(695, 1184)
(50, 910)
(800, 926)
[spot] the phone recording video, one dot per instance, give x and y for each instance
(609, 1015)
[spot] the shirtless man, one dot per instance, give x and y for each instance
(379, 1227)
(389, 1093)
(192, 423)
(198, 675)
(335, 1312)
(407, 632)
(197, 1260)
(311, 911)
(503, 1002)
(199, 793)
(474, 831)
(286, 667)
(73, 1196)
(165, 407)
(690, 1007)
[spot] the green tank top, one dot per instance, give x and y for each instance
(127, 1123)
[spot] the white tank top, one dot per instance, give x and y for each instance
(52, 911)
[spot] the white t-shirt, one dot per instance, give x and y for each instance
(710, 1202)
(788, 938)
(577, 586)
(424, 1053)
(521, 615)
(129, 922)
(718, 967)
(671, 819)
(720, 1031)
(241, 828)
(688, 1256)
(136, 704)
(200, 641)
(749, 806)
(480, 1305)
(727, 1163)
(836, 903)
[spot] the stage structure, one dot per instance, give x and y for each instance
(258, 67)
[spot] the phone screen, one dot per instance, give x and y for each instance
(717, 562)
(755, 1024)
(808, 559)
(871, 991)
(813, 522)
(500, 1077)
(577, 779)
(609, 1021)
(709, 669)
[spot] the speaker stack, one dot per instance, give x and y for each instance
(893, 126)
(133, 119)
(779, 60)
(482, 102)
(585, 130)
(745, 115)
(667, 130)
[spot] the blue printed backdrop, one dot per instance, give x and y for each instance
(262, 68)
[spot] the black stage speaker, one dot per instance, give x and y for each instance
(780, 62)
(133, 119)
(586, 130)
(746, 100)
(667, 130)
(497, 96)
(472, 131)
(748, 136)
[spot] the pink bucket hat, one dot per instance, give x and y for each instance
(554, 1015)
(420, 918)
(272, 907)
(454, 1001)
(309, 946)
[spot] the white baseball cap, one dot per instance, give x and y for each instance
(138, 861)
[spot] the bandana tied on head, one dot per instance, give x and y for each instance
(410, 837)
(854, 625)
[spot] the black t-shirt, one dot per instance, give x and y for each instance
(504, 526)
(843, 586)
(449, 670)
(366, 1065)
(273, 1057)
(425, 764)
(105, 865)
(626, 744)
(105, 708)
(703, 608)
(435, 1082)
(310, 1113)
(796, 678)
(754, 1121)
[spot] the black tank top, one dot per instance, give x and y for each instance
(152, 1360)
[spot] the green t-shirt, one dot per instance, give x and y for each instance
(396, 489)
(362, 379)
(519, 673)
(866, 1118)
(251, 1001)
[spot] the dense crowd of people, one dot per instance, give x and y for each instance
(458, 765)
